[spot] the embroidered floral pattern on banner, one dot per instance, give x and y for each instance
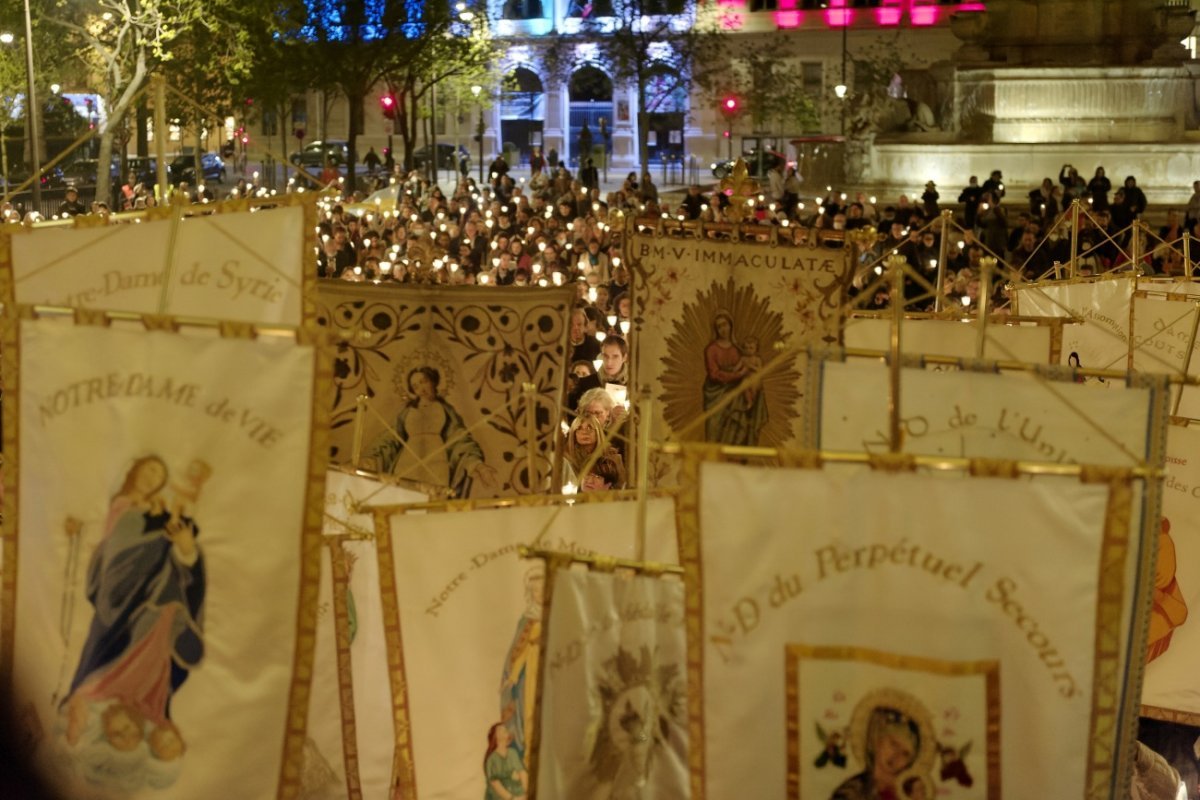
(445, 367)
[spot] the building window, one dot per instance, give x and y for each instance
(813, 78)
(523, 9)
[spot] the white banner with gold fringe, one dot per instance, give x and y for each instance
(1029, 343)
(463, 614)
(1164, 327)
(220, 261)
(614, 695)
(1038, 416)
(912, 660)
(1169, 690)
(1102, 306)
(348, 751)
(164, 497)
(708, 314)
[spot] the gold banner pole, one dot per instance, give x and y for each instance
(1187, 253)
(1135, 245)
(896, 267)
(943, 255)
(986, 264)
(601, 563)
(1074, 262)
(645, 410)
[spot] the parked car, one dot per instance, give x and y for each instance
(447, 156)
(52, 178)
(770, 158)
(183, 169)
(315, 153)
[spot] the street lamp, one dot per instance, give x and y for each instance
(479, 129)
(35, 133)
(5, 38)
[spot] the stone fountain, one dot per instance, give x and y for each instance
(1038, 84)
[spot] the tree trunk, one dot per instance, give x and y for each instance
(115, 117)
(643, 121)
(355, 99)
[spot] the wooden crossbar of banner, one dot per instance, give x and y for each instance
(905, 460)
(600, 563)
(1016, 366)
(228, 329)
(521, 501)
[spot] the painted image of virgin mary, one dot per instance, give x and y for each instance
(146, 585)
(890, 746)
(435, 446)
(726, 365)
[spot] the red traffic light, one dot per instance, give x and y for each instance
(387, 103)
(730, 106)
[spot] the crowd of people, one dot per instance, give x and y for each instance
(556, 228)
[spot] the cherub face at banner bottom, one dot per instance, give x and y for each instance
(122, 728)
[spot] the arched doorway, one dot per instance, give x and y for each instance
(522, 112)
(666, 109)
(591, 94)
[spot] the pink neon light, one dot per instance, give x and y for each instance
(889, 12)
(837, 15)
(789, 19)
(923, 13)
(971, 7)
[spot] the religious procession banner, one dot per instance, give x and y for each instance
(1029, 343)
(1169, 690)
(1164, 328)
(348, 749)
(218, 261)
(1041, 415)
(444, 370)
(1101, 304)
(164, 505)
(614, 688)
(463, 614)
(710, 314)
(820, 623)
